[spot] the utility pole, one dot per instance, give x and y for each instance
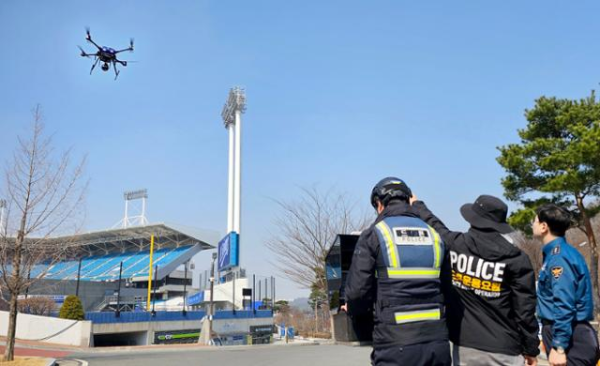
(316, 315)
(233, 292)
(212, 290)
(118, 312)
(253, 294)
(78, 278)
(154, 290)
(184, 312)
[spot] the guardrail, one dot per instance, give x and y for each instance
(161, 316)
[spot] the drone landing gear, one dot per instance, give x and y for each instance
(116, 71)
(94, 65)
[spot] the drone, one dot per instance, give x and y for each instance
(106, 55)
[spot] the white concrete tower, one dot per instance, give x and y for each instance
(232, 118)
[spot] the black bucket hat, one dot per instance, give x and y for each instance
(488, 212)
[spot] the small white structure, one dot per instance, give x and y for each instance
(230, 291)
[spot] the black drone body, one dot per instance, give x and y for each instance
(106, 55)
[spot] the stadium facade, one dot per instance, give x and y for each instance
(100, 258)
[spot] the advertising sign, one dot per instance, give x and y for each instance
(177, 336)
(228, 251)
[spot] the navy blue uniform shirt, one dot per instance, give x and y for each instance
(564, 290)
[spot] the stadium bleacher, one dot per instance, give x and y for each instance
(106, 267)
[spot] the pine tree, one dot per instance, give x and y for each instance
(557, 160)
(72, 309)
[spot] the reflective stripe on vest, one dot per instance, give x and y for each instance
(413, 273)
(417, 316)
(392, 251)
(436, 248)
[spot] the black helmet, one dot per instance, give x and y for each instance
(390, 188)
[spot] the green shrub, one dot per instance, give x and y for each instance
(72, 309)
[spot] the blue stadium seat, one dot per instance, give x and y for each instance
(106, 267)
(163, 260)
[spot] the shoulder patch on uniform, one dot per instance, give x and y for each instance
(556, 272)
(556, 249)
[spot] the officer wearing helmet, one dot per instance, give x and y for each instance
(395, 274)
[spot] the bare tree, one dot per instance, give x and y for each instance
(307, 228)
(37, 306)
(44, 195)
(533, 248)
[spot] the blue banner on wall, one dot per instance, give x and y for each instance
(195, 299)
(228, 251)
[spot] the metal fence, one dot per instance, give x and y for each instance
(161, 316)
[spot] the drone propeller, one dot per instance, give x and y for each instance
(83, 54)
(87, 33)
(131, 43)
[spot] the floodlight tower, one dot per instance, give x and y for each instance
(232, 118)
(139, 218)
(3, 225)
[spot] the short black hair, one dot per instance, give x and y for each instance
(557, 218)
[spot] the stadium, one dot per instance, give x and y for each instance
(122, 253)
(111, 276)
(135, 285)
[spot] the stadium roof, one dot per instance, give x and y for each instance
(165, 236)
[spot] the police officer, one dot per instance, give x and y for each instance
(489, 288)
(565, 303)
(395, 274)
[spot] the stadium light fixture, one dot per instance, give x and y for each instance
(235, 102)
(138, 218)
(134, 195)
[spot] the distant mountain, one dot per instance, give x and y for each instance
(300, 303)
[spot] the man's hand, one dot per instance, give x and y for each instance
(530, 360)
(557, 359)
(413, 198)
(344, 307)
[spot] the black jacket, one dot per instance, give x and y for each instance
(490, 290)
(367, 292)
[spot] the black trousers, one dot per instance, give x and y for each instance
(420, 354)
(583, 347)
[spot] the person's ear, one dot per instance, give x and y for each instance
(380, 207)
(544, 228)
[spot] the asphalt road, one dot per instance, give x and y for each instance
(291, 355)
(270, 355)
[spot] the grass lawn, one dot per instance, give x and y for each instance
(26, 361)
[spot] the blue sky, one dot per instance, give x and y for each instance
(340, 93)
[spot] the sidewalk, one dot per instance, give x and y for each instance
(39, 349)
